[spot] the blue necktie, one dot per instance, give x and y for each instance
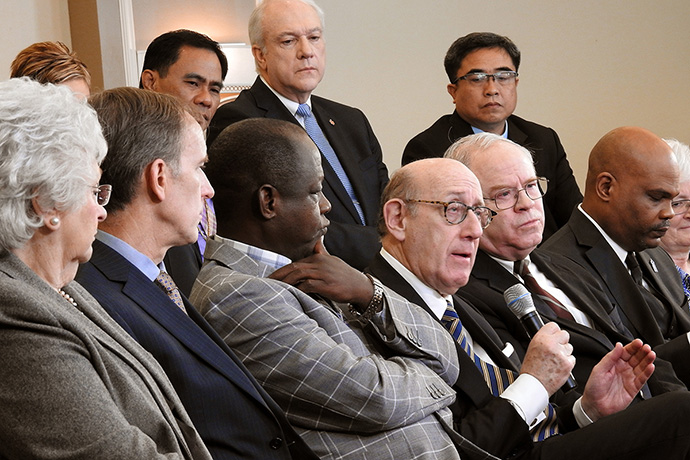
(497, 378)
(314, 130)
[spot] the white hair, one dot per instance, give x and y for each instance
(48, 138)
(466, 149)
(682, 152)
(256, 31)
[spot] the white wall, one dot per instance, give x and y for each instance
(587, 66)
(24, 22)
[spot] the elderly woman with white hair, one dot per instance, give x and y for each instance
(73, 384)
(677, 239)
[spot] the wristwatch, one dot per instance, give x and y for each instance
(375, 304)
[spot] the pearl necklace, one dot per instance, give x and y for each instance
(67, 297)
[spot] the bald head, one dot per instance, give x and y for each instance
(418, 234)
(631, 180)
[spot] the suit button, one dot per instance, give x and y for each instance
(276, 443)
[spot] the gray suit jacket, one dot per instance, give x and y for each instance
(75, 385)
(349, 396)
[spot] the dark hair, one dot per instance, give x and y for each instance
(252, 153)
(139, 126)
(164, 50)
(474, 41)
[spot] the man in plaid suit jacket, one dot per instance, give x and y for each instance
(370, 381)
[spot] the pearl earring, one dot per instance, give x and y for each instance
(54, 221)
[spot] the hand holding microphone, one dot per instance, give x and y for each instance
(545, 358)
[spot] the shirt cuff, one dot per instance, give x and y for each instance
(529, 398)
(581, 416)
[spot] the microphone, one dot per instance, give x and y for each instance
(520, 302)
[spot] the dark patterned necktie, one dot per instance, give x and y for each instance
(166, 283)
(521, 267)
(497, 378)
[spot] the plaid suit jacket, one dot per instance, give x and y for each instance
(352, 393)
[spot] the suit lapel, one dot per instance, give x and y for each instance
(350, 163)
(660, 271)
(161, 309)
(577, 291)
(269, 103)
(624, 292)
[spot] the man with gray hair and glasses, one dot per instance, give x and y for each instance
(562, 291)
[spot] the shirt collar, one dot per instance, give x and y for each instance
(507, 264)
(479, 131)
(264, 256)
(431, 297)
(620, 252)
(292, 106)
(136, 258)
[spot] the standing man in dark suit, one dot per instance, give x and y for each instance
(290, 54)
(431, 222)
(155, 161)
(483, 71)
(507, 251)
(632, 179)
(191, 67)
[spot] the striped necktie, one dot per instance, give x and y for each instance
(207, 226)
(497, 378)
(166, 283)
(314, 130)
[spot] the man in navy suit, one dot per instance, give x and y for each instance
(155, 161)
(483, 71)
(290, 54)
(191, 67)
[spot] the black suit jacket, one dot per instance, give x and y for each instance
(493, 424)
(582, 242)
(485, 291)
(235, 417)
(549, 159)
(477, 414)
(349, 133)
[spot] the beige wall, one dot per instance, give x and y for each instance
(24, 22)
(587, 67)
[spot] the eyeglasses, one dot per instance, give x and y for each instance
(508, 197)
(504, 77)
(456, 211)
(680, 206)
(102, 194)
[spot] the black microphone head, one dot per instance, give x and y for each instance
(519, 300)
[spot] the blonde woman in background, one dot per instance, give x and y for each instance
(52, 62)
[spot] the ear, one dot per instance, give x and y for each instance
(259, 57)
(604, 186)
(156, 179)
(395, 216)
(149, 78)
(451, 88)
(46, 215)
(269, 201)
